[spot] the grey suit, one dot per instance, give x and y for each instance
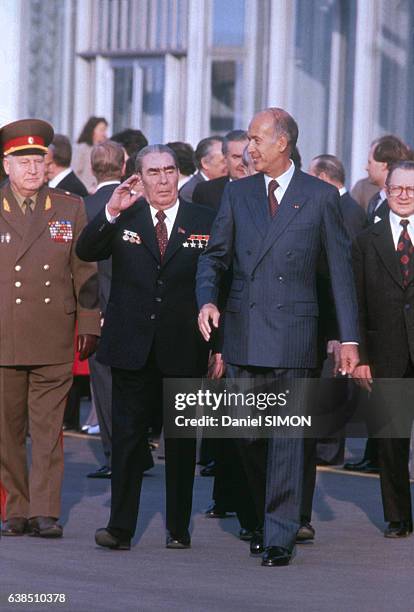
(187, 190)
(272, 310)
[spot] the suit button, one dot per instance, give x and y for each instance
(46, 267)
(17, 284)
(279, 306)
(47, 284)
(252, 278)
(288, 253)
(253, 304)
(407, 306)
(158, 267)
(160, 282)
(158, 299)
(152, 317)
(17, 268)
(18, 301)
(280, 279)
(47, 300)
(248, 252)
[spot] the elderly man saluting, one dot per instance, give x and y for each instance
(150, 330)
(45, 289)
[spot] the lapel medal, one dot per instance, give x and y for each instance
(131, 237)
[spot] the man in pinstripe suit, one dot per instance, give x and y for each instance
(272, 228)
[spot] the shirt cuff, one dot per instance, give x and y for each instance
(354, 343)
(109, 217)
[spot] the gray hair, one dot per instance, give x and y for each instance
(156, 148)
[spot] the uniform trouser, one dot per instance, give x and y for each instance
(133, 391)
(277, 476)
(33, 400)
(101, 383)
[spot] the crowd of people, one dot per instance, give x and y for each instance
(95, 244)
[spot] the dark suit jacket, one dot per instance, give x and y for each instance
(208, 193)
(152, 303)
(272, 310)
(354, 216)
(94, 204)
(386, 308)
(186, 191)
(73, 184)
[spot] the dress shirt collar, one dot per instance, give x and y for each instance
(342, 190)
(59, 177)
(170, 214)
(204, 176)
(105, 183)
(283, 180)
(383, 196)
(20, 198)
(396, 228)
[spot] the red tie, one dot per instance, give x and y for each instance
(161, 232)
(273, 203)
(405, 251)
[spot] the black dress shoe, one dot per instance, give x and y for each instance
(398, 529)
(256, 543)
(365, 466)
(245, 534)
(305, 532)
(16, 526)
(276, 556)
(209, 469)
(178, 542)
(104, 537)
(45, 527)
(215, 512)
(102, 472)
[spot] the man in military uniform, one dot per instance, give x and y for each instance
(45, 288)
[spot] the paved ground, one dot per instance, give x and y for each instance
(350, 567)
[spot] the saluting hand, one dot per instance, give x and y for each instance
(125, 195)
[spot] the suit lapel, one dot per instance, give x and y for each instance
(42, 214)
(10, 211)
(146, 229)
(291, 203)
(257, 203)
(180, 231)
(384, 244)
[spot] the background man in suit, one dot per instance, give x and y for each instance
(384, 152)
(108, 165)
(272, 227)
(59, 173)
(150, 331)
(208, 193)
(210, 163)
(45, 289)
(383, 259)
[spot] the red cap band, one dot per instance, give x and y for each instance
(23, 141)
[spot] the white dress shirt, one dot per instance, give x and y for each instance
(59, 177)
(283, 181)
(396, 228)
(105, 183)
(170, 215)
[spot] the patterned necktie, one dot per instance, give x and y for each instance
(27, 206)
(405, 251)
(273, 203)
(161, 232)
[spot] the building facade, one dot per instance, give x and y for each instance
(184, 69)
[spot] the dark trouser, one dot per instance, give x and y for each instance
(101, 383)
(131, 415)
(276, 477)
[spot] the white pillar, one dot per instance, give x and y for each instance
(197, 79)
(82, 92)
(365, 78)
(280, 48)
(10, 60)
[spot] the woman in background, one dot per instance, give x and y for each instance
(94, 132)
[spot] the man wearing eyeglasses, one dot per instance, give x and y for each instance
(383, 258)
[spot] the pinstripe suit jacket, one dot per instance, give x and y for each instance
(272, 312)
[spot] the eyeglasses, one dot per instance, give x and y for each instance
(395, 191)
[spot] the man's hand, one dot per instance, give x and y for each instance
(349, 358)
(363, 377)
(208, 311)
(334, 349)
(125, 195)
(216, 366)
(86, 345)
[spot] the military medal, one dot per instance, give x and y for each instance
(131, 237)
(199, 241)
(61, 231)
(5, 238)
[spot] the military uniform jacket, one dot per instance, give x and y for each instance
(44, 286)
(152, 304)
